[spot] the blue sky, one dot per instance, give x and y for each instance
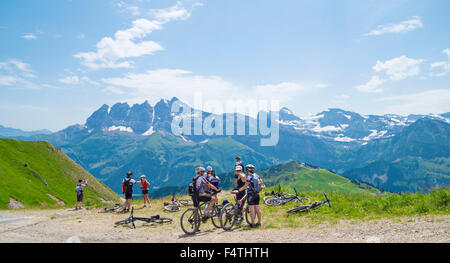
(60, 60)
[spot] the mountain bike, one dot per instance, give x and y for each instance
(315, 205)
(232, 213)
(176, 204)
(110, 208)
(192, 218)
(286, 198)
(154, 219)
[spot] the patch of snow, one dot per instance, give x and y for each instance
(205, 141)
(149, 132)
(348, 116)
(344, 139)
(326, 129)
(120, 128)
(375, 135)
(344, 126)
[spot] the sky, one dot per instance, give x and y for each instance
(60, 60)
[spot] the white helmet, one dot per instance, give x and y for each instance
(250, 167)
(209, 168)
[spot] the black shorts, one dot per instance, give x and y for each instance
(198, 199)
(144, 192)
(128, 196)
(240, 195)
(253, 198)
(79, 197)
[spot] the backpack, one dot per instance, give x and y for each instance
(192, 190)
(257, 183)
(127, 186)
(79, 189)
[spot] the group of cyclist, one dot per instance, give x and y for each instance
(207, 186)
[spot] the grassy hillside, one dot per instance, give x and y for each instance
(35, 173)
(305, 177)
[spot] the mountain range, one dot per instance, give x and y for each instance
(7, 132)
(396, 153)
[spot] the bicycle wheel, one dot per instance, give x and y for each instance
(228, 216)
(162, 220)
(273, 201)
(303, 200)
(247, 215)
(123, 222)
(190, 221)
(215, 218)
(301, 208)
(186, 202)
(172, 208)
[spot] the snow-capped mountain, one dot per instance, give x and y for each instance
(345, 126)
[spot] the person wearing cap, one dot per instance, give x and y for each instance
(240, 180)
(127, 190)
(201, 186)
(145, 185)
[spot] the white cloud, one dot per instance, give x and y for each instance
(321, 86)
(403, 27)
(113, 90)
(8, 80)
(441, 68)
(399, 68)
(74, 80)
(29, 36)
(112, 52)
(283, 92)
(373, 85)
(432, 101)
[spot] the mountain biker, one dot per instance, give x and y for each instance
(127, 190)
(200, 193)
(240, 182)
(145, 185)
(252, 184)
(79, 190)
(214, 180)
(238, 163)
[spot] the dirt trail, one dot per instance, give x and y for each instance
(91, 226)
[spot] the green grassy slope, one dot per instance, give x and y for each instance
(304, 177)
(26, 168)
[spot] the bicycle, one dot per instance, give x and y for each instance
(192, 218)
(232, 213)
(154, 219)
(176, 204)
(286, 198)
(315, 205)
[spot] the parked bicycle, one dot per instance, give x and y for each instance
(107, 209)
(273, 194)
(192, 218)
(315, 205)
(154, 219)
(232, 213)
(286, 198)
(176, 204)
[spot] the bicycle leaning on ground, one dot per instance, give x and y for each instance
(192, 218)
(315, 205)
(286, 198)
(232, 213)
(154, 219)
(176, 204)
(110, 208)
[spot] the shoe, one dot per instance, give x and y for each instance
(258, 224)
(144, 206)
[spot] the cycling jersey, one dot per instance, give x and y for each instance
(251, 186)
(201, 185)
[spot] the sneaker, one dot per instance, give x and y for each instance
(258, 224)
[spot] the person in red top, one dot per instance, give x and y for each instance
(145, 185)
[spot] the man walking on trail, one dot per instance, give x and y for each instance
(145, 185)
(127, 190)
(80, 193)
(253, 185)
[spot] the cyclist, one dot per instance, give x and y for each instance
(214, 180)
(79, 190)
(200, 194)
(238, 163)
(145, 185)
(127, 190)
(240, 182)
(253, 184)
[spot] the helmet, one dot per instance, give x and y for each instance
(129, 173)
(238, 168)
(237, 157)
(143, 176)
(250, 167)
(199, 169)
(209, 168)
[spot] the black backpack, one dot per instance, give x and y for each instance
(128, 186)
(192, 186)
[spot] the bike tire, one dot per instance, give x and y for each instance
(215, 219)
(172, 208)
(162, 220)
(228, 216)
(190, 221)
(273, 202)
(123, 222)
(186, 202)
(301, 208)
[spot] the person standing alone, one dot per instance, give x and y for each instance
(80, 193)
(127, 190)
